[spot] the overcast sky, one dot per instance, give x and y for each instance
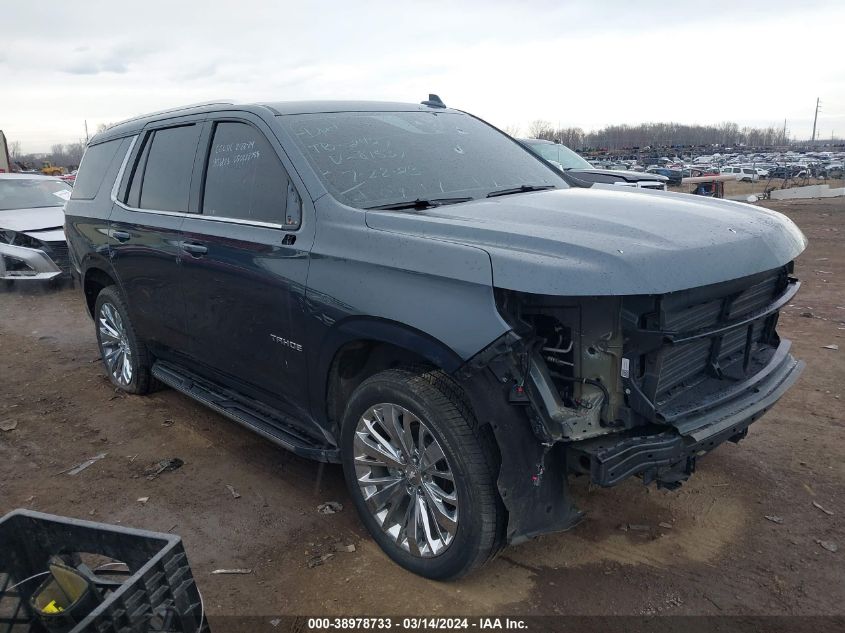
(587, 64)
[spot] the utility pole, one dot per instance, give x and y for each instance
(86, 131)
(816, 118)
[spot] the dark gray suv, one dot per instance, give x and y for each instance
(407, 291)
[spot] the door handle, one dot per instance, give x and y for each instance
(121, 236)
(193, 248)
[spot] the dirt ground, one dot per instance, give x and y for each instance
(708, 547)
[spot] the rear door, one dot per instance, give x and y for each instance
(144, 232)
(245, 262)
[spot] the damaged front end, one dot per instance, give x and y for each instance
(33, 255)
(621, 386)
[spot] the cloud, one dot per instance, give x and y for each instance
(85, 60)
(584, 64)
(95, 68)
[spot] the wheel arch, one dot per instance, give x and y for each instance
(359, 347)
(94, 279)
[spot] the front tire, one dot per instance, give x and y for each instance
(125, 357)
(422, 473)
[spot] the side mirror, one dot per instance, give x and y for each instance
(293, 209)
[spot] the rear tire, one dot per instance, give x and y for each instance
(422, 473)
(127, 362)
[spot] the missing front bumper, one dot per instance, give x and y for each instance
(667, 455)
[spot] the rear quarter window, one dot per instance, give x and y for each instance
(95, 162)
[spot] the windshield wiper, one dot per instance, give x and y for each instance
(420, 204)
(520, 189)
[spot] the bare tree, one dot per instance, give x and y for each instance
(512, 129)
(572, 137)
(61, 155)
(669, 135)
(73, 154)
(15, 150)
(539, 129)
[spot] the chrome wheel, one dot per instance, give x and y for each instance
(406, 480)
(117, 354)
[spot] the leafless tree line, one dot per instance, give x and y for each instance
(658, 135)
(66, 155)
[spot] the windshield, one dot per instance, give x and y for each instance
(368, 159)
(560, 155)
(26, 193)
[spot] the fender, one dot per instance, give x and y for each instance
(96, 261)
(532, 479)
(368, 328)
(93, 264)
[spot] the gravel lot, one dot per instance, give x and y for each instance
(708, 548)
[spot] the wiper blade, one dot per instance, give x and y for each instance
(520, 189)
(419, 203)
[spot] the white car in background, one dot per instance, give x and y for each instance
(32, 237)
(744, 174)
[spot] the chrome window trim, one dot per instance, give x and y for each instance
(200, 216)
(126, 207)
(122, 169)
(220, 218)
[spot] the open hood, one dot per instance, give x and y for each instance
(597, 242)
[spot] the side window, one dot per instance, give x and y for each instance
(162, 178)
(96, 160)
(133, 199)
(245, 179)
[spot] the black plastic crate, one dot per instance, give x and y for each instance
(157, 593)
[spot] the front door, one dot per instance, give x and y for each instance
(244, 267)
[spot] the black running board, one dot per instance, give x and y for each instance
(274, 426)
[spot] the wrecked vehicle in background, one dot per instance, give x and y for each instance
(564, 159)
(407, 291)
(32, 239)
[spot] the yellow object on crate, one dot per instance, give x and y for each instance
(61, 594)
(52, 607)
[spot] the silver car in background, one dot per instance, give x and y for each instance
(32, 237)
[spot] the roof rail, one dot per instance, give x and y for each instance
(171, 110)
